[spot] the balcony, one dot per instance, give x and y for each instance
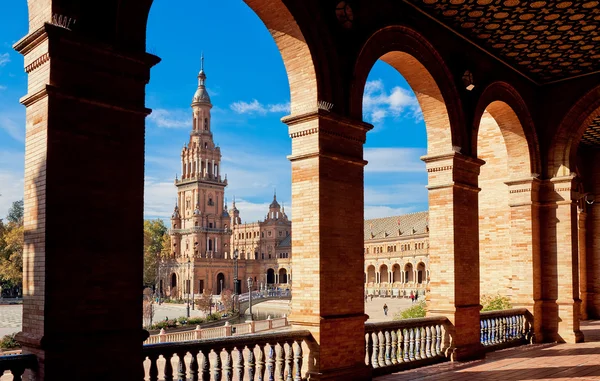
(200, 229)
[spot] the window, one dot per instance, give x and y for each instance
(262, 255)
(269, 233)
(210, 201)
(201, 286)
(210, 224)
(280, 233)
(262, 234)
(205, 145)
(205, 124)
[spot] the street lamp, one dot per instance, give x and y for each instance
(250, 295)
(188, 289)
(235, 276)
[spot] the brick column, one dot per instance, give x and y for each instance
(560, 271)
(584, 287)
(454, 250)
(328, 261)
(84, 177)
(525, 260)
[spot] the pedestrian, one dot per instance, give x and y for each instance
(385, 309)
(371, 297)
(416, 296)
(166, 318)
(365, 298)
(412, 297)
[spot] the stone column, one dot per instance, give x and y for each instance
(328, 199)
(561, 308)
(583, 263)
(454, 250)
(84, 167)
(525, 259)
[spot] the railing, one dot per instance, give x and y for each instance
(403, 344)
(273, 355)
(505, 328)
(200, 229)
(217, 332)
(17, 364)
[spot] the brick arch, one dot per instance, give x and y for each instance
(428, 76)
(562, 157)
(511, 114)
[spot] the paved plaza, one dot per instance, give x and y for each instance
(10, 318)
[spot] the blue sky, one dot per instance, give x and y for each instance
(250, 93)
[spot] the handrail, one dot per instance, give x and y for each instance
(407, 343)
(504, 328)
(232, 357)
(17, 364)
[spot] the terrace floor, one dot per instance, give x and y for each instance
(533, 362)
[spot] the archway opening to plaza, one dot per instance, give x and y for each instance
(421, 273)
(383, 274)
(283, 277)
(396, 274)
(270, 276)
(507, 243)
(370, 275)
(220, 283)
(409, 274)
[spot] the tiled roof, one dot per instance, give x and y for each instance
(286, 242)
(397, 226)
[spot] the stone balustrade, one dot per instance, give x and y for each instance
(217, 332)
(506, 328)
(17, 364)
(397, 345)
(277, 355)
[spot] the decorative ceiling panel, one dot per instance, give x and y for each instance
(545, 40)
(591, 137)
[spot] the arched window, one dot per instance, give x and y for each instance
(173, 280)
(220, 283)
(210, 245)
(270, 276)
(420, 272)
(205, 124)
(283, 276)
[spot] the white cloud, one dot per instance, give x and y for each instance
(255, 107)
(171, 118)
(378, 104)
(394, 160)
(3, 87)
(385, 211)
(13, 123)
(4, 59)
(11, 179)
(159, 198)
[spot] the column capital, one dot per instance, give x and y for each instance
(523, 191)
(452, 169)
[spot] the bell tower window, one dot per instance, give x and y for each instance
(205, 124)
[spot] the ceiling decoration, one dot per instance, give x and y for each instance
(591, 136)
(545, 40)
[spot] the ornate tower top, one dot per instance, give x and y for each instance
(201, 96)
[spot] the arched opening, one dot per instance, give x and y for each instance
(173, 280)
(396, 273)
(270, 276)
(421, 273)
(220, 283)
(283, 278)
(409, 274)
(383, 274)
(370, 275)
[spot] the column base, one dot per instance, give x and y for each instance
(466, 352)
(357, 373)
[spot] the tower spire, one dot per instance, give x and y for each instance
(202, 61)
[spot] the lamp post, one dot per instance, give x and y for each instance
(250, 295)
(235, 276)
(188, 289)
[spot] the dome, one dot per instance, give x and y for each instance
(274, 204)
(201, 96)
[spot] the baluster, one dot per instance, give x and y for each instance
(406, 340)
(251, 363)
(399, 351)
(367, 349)
(168, 368)
(428, 342)
(153, 372)
(507, 320)
(205, 365)
(298, 361)
(227, 366)
(238, 364)
(438, 340)
(271, 363)
(194, 367)
(411, 344)
(279, 364)
(492, 331)
(260, 363)
(515, 327)
(482, 331)
(217, 368)
(423, 342)
(289, 362)
(381, 356)
(181, 368)
(417, 343)
(497, 330)
(374, 359)
(388, 348)
(393, 355)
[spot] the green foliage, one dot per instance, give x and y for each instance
(213, 317)
(417, 310)
(9, 342)
(154, 241)
(11, 247)
(495, 302)
(195, 320)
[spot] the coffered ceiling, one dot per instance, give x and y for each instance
(545, 40)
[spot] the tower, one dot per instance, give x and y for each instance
(204, 229)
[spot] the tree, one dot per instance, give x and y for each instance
(203, 303)
(154, 232)
(11, 247)
(227, 300)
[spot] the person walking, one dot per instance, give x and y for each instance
(416, 296)
(385, 309)
(412, 297)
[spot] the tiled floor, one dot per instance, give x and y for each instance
(536, 362)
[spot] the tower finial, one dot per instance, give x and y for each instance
(202, 61)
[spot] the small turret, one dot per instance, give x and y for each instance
(176, 218)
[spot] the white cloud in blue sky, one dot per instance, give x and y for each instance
(255, 107)
(379, 104)
(4, 59)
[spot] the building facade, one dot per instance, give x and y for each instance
(205, 237)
